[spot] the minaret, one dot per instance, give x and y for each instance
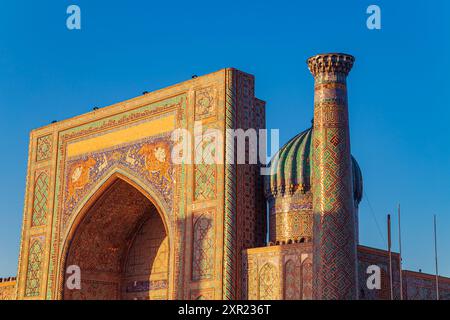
(335, 260)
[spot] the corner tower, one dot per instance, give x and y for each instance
(334, 248)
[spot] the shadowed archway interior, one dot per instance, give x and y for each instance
(121, 247)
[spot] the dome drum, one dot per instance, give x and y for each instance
(289, 191)
(291, 218)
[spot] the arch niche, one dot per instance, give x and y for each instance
(120, 241)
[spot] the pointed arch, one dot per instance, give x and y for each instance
(114, 175)
(104, 183)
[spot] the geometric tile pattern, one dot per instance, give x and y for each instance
(420, 286)
(292, 281)
(230, 237)
(251, 208)
(34, 272)
(333, 206)
(44, 147)
(268, 282)
(205, 182)
(289, 193)
(240, 211)
(203, 248)
(291, 217)
(307, 279)
(286, 272)
(117, 264)
(369, 256)
(127, 157)
(40, 203)
(295, 265)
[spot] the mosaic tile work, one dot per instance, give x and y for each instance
(230, 207)
(149, 158)
(205, 105)
(98, 145)
(268, 282)
(333, 205)
(291, 218)
(306, 288)
(40, 201)
(369, 256)
(244, 220)
(96, 290)
(34, 273)
(8, 289)
(205, 182)
(140, 156)
(292, 281)
(288, 190)
(203, 247)
(420, 286)
(121, 240)
(142, 228)
(44, 147)
(278, 272)
(416, 285)
(250, 284)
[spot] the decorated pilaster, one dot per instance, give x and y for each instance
(335, 273)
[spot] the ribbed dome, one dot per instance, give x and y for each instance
(292, 171)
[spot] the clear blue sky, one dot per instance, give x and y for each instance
(398, 90)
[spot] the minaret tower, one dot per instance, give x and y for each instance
(335, 268)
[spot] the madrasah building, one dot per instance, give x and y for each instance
(103, 195)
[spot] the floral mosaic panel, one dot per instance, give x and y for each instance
(149, 159)
(204, 103)
(44, 148)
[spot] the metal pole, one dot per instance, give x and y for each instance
(436, 259)
(390, 256)
(400, 253)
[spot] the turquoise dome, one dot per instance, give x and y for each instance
(291, 171)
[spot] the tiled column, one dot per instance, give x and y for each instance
(335, 275)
